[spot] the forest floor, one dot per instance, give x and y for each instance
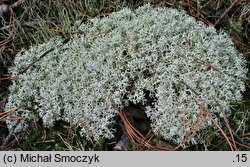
(31, 22)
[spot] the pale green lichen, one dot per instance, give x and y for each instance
(115, 60)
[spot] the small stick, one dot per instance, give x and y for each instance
(17, 3)
(43, 55)
(246, 134)
(6, 8)
(7, 139)
(31, 64)
(226, 11)
(8, 78)
(226, 121)
(30, 24)
(205, 63)
(223, 133)
(239, 138)
(189, 87)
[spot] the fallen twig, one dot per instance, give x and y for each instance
(226, 121)
(240, 139)
(8, 78)
(7, 139)
(194, 130)
(16, 4)
(226, 11)
(205, 63)
(133, 133)
(43, 55)
(246, 134)
(6, 8)
(30, 24)
(189, 87)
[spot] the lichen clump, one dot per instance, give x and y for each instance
(160, 58)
